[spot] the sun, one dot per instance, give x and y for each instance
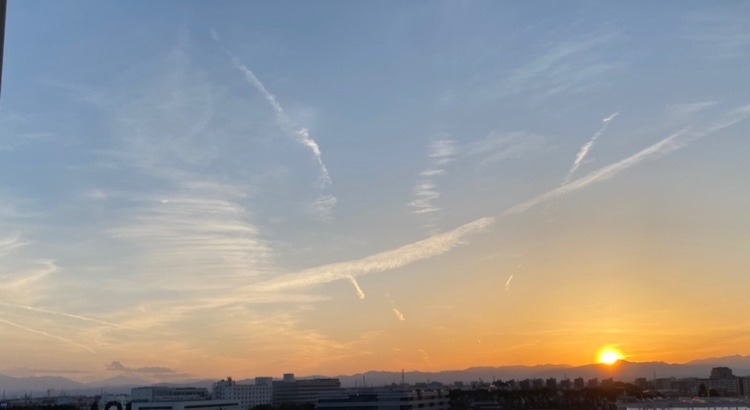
(609, 355)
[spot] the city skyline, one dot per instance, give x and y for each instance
(196, 189)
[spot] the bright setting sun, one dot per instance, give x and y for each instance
(608, 355)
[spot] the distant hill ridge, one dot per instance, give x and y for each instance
(623, 370)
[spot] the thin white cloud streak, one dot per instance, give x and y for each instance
(671, 143)
(441, 152)
(286, 124)
(498, 146)
(565, 66)
(442, 243)
(323, 206)
(507, 283)
(9, 244)
(400, 316)
(379, 262)
(21, 281)
(360, 292)
(55, 313)
(50, 335)
(194, 235)
(587, 146)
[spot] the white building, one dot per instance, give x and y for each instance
(386, 400)
(187, 405)
(167, 393)
(177, 398)
(248, 395)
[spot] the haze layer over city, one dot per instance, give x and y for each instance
(199, 189)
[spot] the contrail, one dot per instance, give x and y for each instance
(444, 242)
(51, 312)
(398, 314)
(671, 143)
(353, 281)
(507, 283)
(587, 146)
(286, 124)
(379, 262)
(39, 332)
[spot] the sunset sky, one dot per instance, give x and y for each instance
(235, 188)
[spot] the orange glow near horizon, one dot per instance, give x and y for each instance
(609, 355)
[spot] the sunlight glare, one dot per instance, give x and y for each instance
(609, 355)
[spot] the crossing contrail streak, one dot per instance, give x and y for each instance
(286, 124)
(39, 332)
(442, 243)
(400, 316)
(587, 146)
(353, 281)
(52, 312)
(669, 144)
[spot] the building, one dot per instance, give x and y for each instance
(187, 405)
(386, 400)
(578, 383)
(551, 383)
(248, 395)
(721, 373)
(166, 393)
(722, 382)
(291, 391)
(177, 398)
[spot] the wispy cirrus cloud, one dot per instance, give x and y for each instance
(722, 34)
(323, 207)
(561, 66)
(180, 217)
(25, 282)
(441, 152)
(11, 243)
(194, 235)
(497, 146)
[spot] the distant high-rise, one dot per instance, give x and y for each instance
(578, 383)
(551, 383)
(721, 373)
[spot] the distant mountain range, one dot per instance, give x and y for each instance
(622, 370)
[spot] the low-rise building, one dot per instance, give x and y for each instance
(248, 395)
(291, 391)
(385, 400)
(177, 398)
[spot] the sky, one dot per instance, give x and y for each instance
(207, 189)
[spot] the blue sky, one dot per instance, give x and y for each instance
(249, 188)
